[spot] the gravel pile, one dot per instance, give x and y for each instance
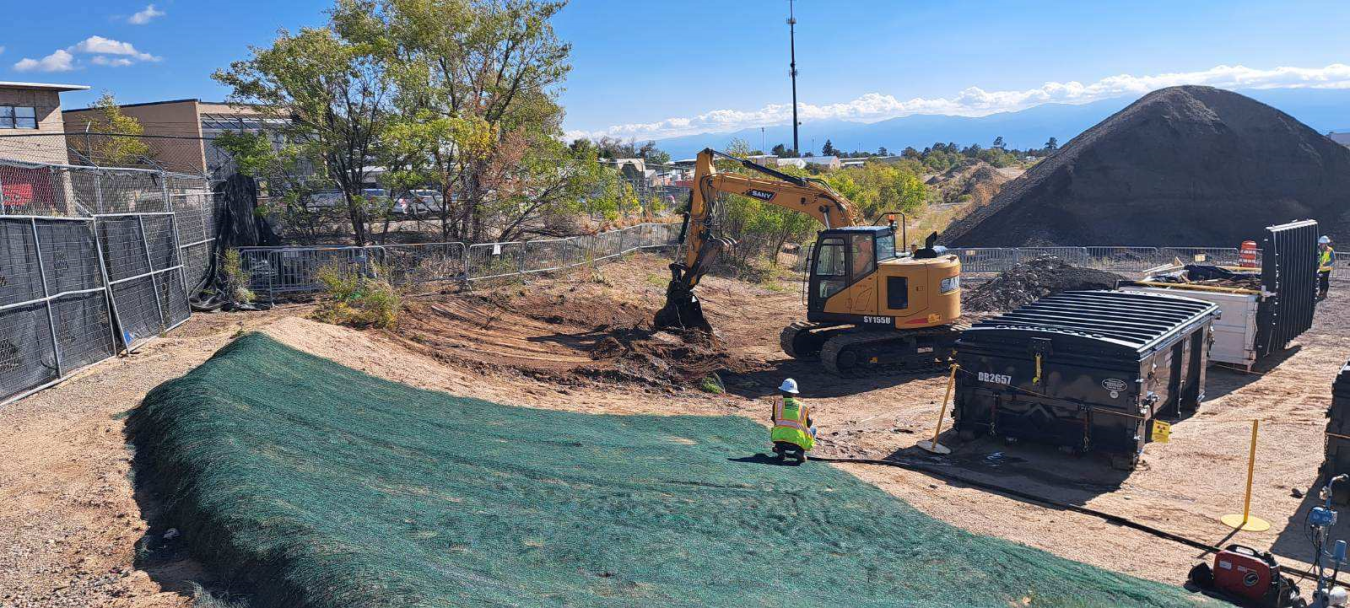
(1183, 166)
(1030, 281)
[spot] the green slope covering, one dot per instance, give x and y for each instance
(324, 486)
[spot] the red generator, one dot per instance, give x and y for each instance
(1247, 577)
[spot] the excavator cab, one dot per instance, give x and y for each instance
(844, 261)
(857, 277)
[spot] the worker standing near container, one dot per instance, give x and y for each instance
(1325, 259)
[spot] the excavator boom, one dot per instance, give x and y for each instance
(702, 247)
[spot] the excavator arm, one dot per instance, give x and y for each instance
(702, 246)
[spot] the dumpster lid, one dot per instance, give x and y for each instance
(1134, 320)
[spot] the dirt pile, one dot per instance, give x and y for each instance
(1030, 281)
(1182, 166)
(569, 339)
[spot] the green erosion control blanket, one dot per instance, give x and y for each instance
(327, 487)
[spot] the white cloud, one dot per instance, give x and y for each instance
(145, 16)
(59, 61)
(975, 101)
(99, 45)
(116, 62)
(2, 50)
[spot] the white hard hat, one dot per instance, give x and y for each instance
(788, 386)
(1324, 240)
(1337, 596)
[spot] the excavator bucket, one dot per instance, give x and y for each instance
(682, 309)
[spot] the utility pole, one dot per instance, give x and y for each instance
(792, 50)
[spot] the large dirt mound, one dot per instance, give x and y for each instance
(1030, 281)
(1182, 166)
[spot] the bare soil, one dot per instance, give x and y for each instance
(71, 523)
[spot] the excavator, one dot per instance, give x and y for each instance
(869, 307)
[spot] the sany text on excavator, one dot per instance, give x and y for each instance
(869, 307)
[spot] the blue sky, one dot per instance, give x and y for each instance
(720, 65)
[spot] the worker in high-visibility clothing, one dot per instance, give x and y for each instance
(1326, 257)
(792, 419)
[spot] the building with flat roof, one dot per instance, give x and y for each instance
(180, 131)
(31, 109)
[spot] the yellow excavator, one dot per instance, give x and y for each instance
(869, 308)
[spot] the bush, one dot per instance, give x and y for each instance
(351, 298)
(237, 279)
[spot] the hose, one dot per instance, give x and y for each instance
(1050, 502)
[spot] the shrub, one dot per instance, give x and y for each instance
(237, 279)
(352, 298)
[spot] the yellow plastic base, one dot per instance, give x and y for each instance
(935, 448)
(1254, 524)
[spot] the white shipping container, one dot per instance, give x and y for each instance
(1234, 331)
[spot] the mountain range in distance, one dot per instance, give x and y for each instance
(1322, 109)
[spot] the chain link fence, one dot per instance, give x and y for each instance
(295, 270)
(54, 314)
(93, 260)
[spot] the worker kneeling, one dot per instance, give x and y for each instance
(792, 435)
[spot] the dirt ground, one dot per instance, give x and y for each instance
(76, 534)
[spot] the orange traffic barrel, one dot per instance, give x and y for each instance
(1247, 255)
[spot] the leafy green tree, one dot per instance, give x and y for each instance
(114, 137)
(1051, 145)
(330, 90)
(828, 149)
(486, 74)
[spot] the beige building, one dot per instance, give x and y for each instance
(179, 131)
(29, 108)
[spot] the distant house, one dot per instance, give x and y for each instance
(799, 163)
(1340, 138)
(855, 162)
(829, 162)
(767, 160)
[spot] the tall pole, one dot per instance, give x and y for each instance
(792, 50)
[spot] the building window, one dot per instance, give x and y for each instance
(18, 117)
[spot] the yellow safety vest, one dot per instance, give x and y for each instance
(789, 423)
(1327, 258)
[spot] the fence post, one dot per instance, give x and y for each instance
(46, 295)
(164, 191)
(150, 263)
(3, 206)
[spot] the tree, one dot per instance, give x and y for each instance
(118, 142)
(330, 90)
(477, 88)
(653, 155)
(882, 151)
(782, 151)
(998, 142)
(828, 149)
(1052, 145)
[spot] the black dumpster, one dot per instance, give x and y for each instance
(1088, 370)
(1338, 433)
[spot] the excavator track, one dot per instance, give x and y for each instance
(802, 341)
(912, 351)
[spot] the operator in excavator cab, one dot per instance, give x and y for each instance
(792, 433)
